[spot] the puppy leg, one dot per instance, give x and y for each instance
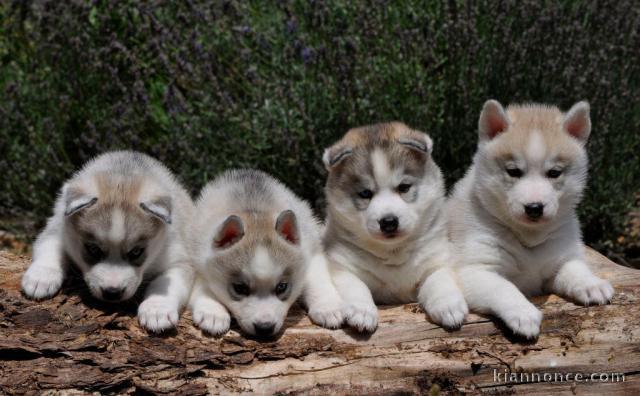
(442, 299)
(208, 314)
(320, 295)
(46, 273)
(166, 295)
(488, 292)
(359, 309)
(576, 281)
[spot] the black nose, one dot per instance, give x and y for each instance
(112, 293)
(388, 224)
(264, 329)
(534, 210)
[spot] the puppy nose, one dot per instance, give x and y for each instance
(112, 293)
(264, 329)
(534, 210)
(388, 224)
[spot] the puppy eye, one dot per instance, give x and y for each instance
(135, 253)
(365, 194)
(514, 172)
(281, 288)
(93, 250)
(404, 187)
(554, 173)
(241, 289)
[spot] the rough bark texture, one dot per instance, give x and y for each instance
(73, 343)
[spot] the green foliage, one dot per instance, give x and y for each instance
(205, 86)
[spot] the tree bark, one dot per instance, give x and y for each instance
(72, 343)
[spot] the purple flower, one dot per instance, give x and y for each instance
(308, 55)
(292, 26)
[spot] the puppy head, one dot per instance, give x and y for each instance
(255, 267)
(531, 161)
(114, 231)
(381, 181)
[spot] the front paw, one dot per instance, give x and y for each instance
(158, 313)
(592, 291)
(211, 319)
(41, 282)
(361, 316)
(523, 320)
(449, 312)
(327, 313)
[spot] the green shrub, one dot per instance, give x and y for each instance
(205, 86)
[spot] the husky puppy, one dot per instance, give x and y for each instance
(120, 220)
(257, 248)
(386, 235)
(513, 217)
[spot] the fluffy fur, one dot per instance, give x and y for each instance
(257, 249)
(386, 229)
(120, 219)
(512, 217)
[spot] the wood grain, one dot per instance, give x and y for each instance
(75, 344)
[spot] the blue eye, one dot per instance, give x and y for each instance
(514, 172)
(241, 289)
(554, 173)
(93, 251)
(404, 187)
(365, 194)
(281, 288)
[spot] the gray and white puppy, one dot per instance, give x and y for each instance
(120, 220)
(257, 248)
(386, 234)
(513, 216)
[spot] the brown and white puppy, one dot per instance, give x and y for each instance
(512, 217)
(119, 220)
(257, 248)
(386, 229)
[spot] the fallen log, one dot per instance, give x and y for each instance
(74, 344)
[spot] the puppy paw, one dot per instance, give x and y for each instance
(449, 312)
(327, 313)
(41, 282)
(361, 316)
(592, 291)
(524, 321)
(211, 319)
(158, 313)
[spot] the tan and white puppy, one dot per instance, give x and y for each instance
(119, 220)
(257, 248)
(386, 234)
(512, 217)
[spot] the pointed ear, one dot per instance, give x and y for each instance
(418, 141)
(493, 120)
(77, 200)
(287, 227)
(577, 121)
(159, 207)
(229, 233)
(335, 154)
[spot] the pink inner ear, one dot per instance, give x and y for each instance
(229, 235)
(575, 127)
(288, 231)
(496, 125)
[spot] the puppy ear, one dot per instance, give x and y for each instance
(493, 120)
(418, 141)
(76, 200)
(287, 227)
(159, 207)
(334, 155)
(229, 233)
(577, 121)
